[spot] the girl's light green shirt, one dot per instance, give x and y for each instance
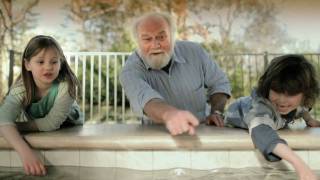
(64, 108)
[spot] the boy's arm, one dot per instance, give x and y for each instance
(265, 139)
(309, 120)
(31, 163)
(303, 170)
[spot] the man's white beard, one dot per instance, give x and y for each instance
(157, 61)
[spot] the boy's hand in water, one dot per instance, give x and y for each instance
(32, 164)
(305, 173)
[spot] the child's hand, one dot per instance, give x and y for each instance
(32, 164)
(310, 121)
(313, 123)
(306, 174)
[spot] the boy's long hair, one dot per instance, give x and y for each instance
(34, 46)
(290, 74)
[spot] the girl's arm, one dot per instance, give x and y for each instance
(309, 120)
(31, 163)
(58, 113)
(303, 170)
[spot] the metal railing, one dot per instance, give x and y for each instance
(102, 98)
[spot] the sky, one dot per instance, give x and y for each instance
(299, 17)
(51, 17)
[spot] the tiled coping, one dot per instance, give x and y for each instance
(152, 148)
(139, 137)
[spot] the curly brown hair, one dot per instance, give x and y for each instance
(290, 74)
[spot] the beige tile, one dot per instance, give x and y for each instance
(62, 157)
(171, 159)
(246, 158)
(5, 158)
(140, 160)
(314, 159)
(304, 155)
(15, 159)
(205, 160)
(97, 158)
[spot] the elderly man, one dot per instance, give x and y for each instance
(166, 80)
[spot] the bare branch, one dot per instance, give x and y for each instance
(102, 11)
(4, 20)
(22, 15)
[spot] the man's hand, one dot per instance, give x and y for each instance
(215, 119)
(179, 122)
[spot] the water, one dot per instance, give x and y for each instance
(90, 173)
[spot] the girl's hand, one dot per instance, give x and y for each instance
(32, 164)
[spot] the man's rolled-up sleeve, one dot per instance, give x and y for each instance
(138, 91)
(215, 79)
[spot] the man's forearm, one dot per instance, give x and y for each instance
(218, 102)
(156, 110)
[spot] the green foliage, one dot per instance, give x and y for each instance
(126, 44)
(109, 80)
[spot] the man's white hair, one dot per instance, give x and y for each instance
(168, 18)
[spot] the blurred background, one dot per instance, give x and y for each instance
(241, 35)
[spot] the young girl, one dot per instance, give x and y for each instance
(286, 91)
(42, 99)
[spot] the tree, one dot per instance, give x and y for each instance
(10, 18)
(218, 19)
(107, 22)
(264, 33)
(91, 16)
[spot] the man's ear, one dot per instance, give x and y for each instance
(26, 64)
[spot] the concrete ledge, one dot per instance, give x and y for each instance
(156, 137)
